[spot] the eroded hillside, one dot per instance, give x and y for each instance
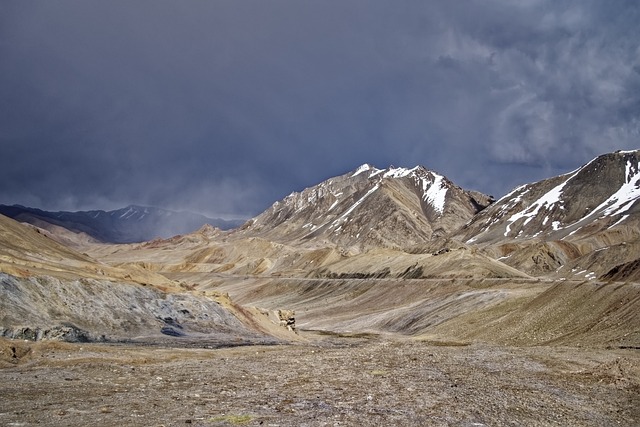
(365, 251)
(49, 291)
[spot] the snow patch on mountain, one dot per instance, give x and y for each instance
(433, 186)
(620, 201)
(628, 193)
(435, 192)
(546, 202)
(605, 191)
(399, 172)
(363, 168)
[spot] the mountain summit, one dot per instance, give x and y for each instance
(584, 223)
(596, 197)
(393, 207)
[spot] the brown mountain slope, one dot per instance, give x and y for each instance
(27, 251)
(386, 263)
(516, 311)
(367, 208)
(585, 313)
(540, 229)
(48, 291)
(582, 223)
(601, 195)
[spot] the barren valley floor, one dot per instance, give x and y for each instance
(332, 380)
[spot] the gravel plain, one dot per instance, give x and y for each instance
(330, 380)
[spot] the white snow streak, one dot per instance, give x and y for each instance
(436, 192)
(620, 201)
(342, 217)
(629, 192)
(376, 172)
(619, 221)
(548, 200)
(128, 213)
(333, 205)
(363, 168)
(398, 172)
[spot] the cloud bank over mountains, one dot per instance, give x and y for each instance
(224, 107)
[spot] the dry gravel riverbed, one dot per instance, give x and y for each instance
(330, 381)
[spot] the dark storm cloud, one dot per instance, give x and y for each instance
(223, 107)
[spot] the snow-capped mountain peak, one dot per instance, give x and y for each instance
(363, 201)
(600, 194)
(432, 185)
(364, 168)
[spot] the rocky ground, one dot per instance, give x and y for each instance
(327, 380)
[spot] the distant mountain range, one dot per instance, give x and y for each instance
(395, 250)
(131, 224)
(583, 223)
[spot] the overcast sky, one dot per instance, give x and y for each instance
(223, 107)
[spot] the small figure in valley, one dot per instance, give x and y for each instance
(287, 319)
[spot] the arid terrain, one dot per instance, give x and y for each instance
(460, 357)
(381, 297)
(330, 380)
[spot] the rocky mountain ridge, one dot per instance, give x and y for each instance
(585, 223)
(400, 222)
(370, 207)
(130, 224)
(602, 194)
